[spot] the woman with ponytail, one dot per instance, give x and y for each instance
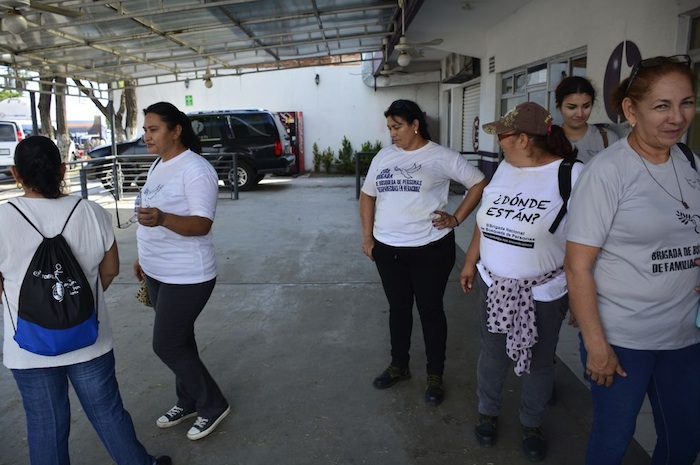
(42, 380)
(176, 258)
(522, 289)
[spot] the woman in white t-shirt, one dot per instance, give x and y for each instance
(410, 237)
(518, 250)
(574, 97)
(43, 379)
(176, 257)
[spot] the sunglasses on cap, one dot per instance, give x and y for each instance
(653, 62)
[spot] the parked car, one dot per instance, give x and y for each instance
(134, 168)
(256, 137)
(10, 134)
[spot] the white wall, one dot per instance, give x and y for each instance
(341, 105)
(546, 28)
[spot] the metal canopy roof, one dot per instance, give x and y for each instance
(159, 41)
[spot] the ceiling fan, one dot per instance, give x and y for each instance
(13, 21)
(406, 49)
(387, 69)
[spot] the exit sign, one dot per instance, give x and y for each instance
(188, 101)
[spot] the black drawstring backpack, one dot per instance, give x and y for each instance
(56, 311)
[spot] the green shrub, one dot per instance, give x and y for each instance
(317, 158)
(368, 147)
(327, 159)
(346, 158)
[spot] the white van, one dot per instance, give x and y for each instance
(10, 135)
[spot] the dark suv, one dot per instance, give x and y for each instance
(256, 137)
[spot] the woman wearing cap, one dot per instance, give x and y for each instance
(518, 262)
(574, 98)
(633, 237)
(409, 235)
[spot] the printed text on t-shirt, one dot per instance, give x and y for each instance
(517, 208)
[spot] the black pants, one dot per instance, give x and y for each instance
(420, 273)
(177, 307)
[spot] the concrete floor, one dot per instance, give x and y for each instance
(295, 331)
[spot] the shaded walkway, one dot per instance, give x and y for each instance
(295, 331)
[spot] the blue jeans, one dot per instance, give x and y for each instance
(45, 397)
(671, 379)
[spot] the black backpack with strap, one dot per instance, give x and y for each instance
(565, 181)
(688, 154)
(56, 311)
(564, 176)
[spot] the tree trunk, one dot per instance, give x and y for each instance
(119, 116)
(62, 134)
(128, 105)
(132, 110)
(45, 110)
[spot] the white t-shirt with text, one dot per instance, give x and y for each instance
(89, 234)
(186, 185)
(644, 272)
(517, 209)
(409, 186)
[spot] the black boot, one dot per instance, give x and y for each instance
(533, 444)
(486, 429)
(391, 376)
(435, 391)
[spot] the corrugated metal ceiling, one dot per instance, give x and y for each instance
(155, 41)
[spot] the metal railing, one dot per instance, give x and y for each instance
(362, 161)
(94, 178)
(131, 172)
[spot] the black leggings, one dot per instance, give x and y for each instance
(177, 307)
(420, 273)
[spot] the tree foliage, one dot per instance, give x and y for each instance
(5, 94)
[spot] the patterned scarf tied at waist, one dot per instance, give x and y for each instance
(512, 312)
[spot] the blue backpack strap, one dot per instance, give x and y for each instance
(564, 176)
(688, 154)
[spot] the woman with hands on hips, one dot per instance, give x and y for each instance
(176, 258)
(409, 235)
(630, 255)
